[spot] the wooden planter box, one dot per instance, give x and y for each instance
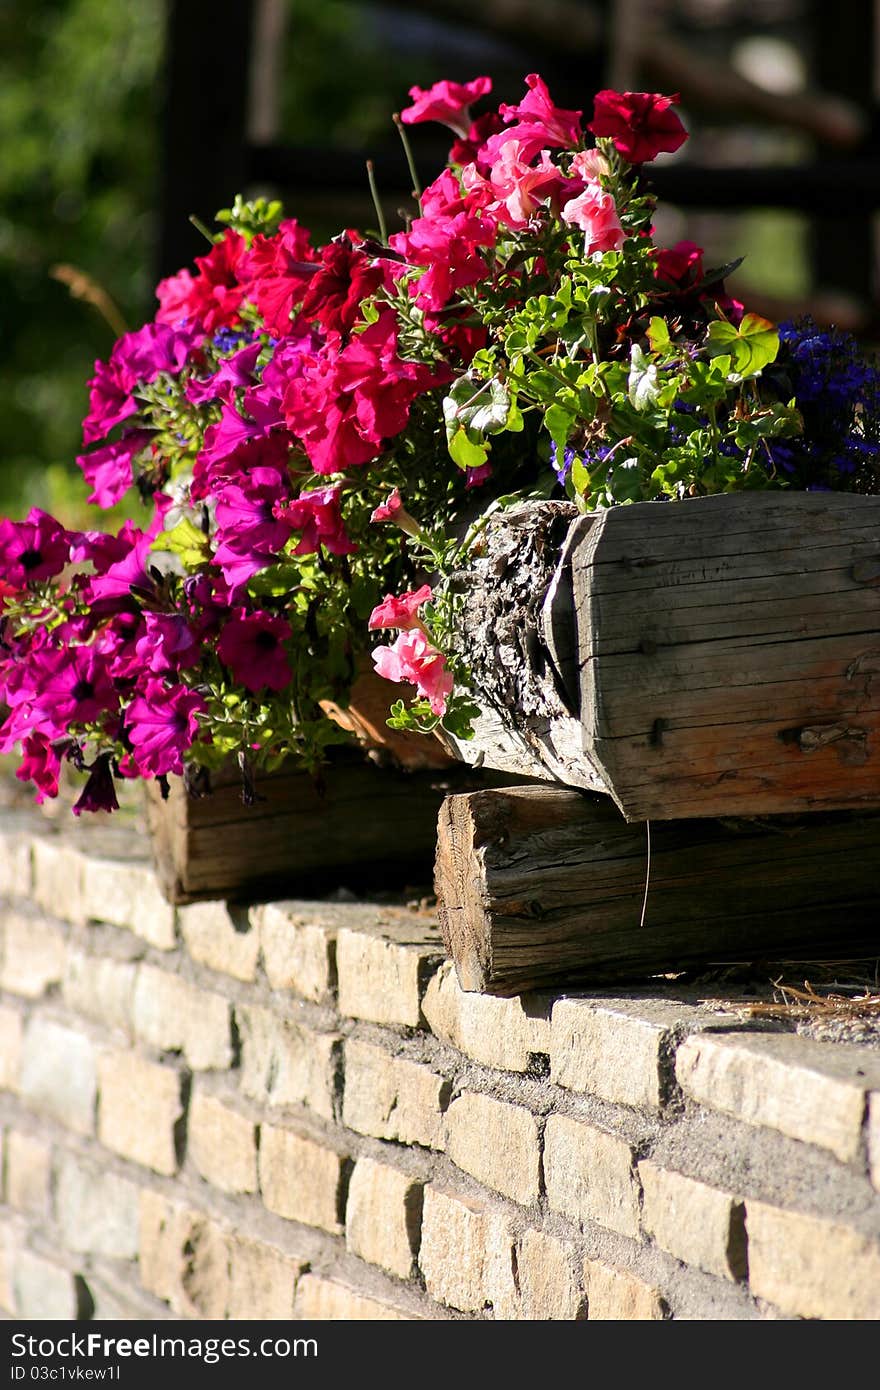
(362, 827)
(713, 657)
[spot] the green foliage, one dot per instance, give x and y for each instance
(77, 128)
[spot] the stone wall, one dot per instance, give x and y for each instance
(292, 1111)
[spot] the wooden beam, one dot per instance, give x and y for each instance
(358, 826)
(729, 653)
(541, 887)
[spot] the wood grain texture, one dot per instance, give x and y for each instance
(515, 634)
(539, 886)
(729, 652)
(360, 826)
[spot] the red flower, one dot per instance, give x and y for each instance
(681, 265)
(277, 270)
(344, 279)
(213, 296)
(641, 124)
(317, 515)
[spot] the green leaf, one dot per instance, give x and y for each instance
(466, 452)
(187, 542)
(580, 478)
(482, 407)
(625, 484)
(752, 346)
(658, 334)
(642, 386)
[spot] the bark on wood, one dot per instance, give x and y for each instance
(729, 651)
(360, 826)
(515, 634)
(539, 886)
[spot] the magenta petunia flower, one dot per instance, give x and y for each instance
(249, 535)
(41, 765)
(161, 725)
(237, 370)
(34, 549)
(251, 645)
(68, 686)
(108, 471)
(168, 643)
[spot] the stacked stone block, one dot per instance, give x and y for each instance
(291, 1111)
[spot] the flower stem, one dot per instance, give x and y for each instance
(374, 193)
(411, 164)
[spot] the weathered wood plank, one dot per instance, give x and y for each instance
(697, 699)
(515, 633)
(539, 886)
(360, 826)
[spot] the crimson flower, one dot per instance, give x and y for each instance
(640, 124)
(318, 516)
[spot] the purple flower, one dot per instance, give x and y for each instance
(168, 644)
(68, 686)
(249, 536)
(99, 792)
(251, 646)
(232, 372)
(162, 724)
(108, 470)
(34, 549)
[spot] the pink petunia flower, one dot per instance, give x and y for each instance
(413, 659)
(640, 124)
(595, 212)
(388, 510)
(539, 122)
(446, 102)
(251, 645)
(401, 611)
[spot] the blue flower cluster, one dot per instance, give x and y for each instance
(837, 390)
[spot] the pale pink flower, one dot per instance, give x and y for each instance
(589, 164)
(413, 659)
(401, 611)
(595, 212)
